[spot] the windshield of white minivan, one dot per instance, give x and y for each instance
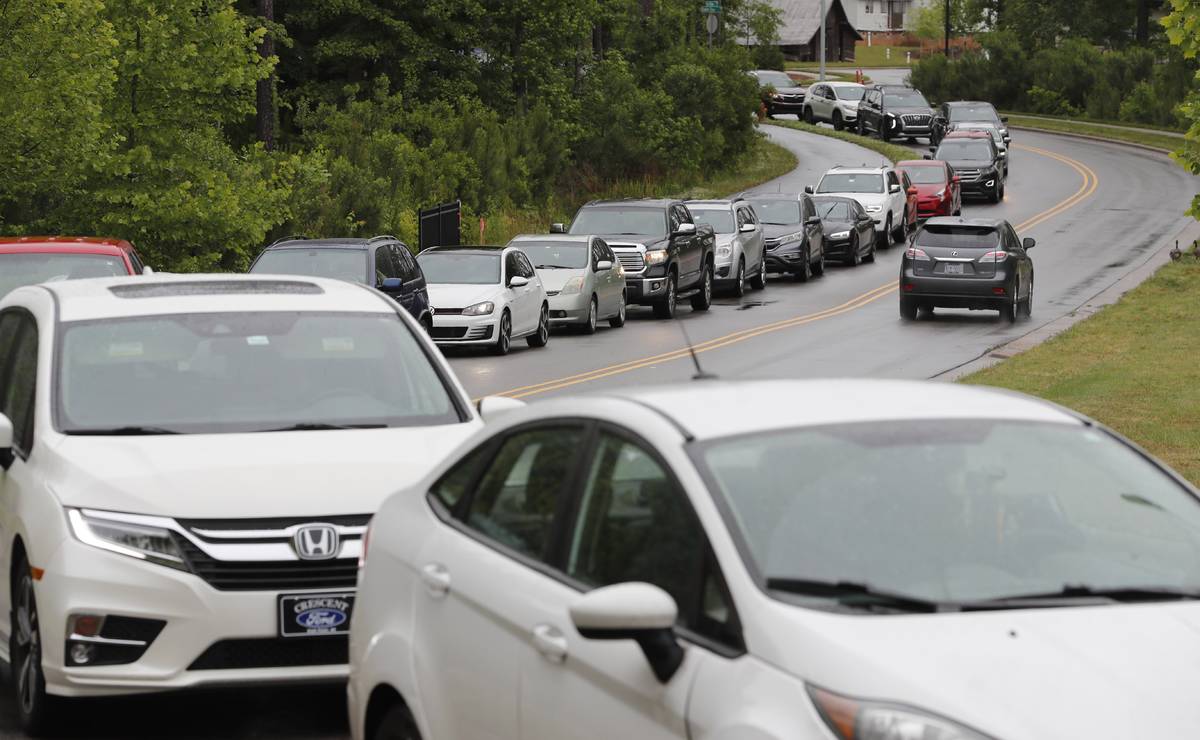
(954, 511)
(245, 372)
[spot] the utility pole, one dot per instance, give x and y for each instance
(821, 45)
(265, 92)
(947, 19)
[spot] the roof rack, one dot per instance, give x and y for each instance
(290, 238)
(382, 237)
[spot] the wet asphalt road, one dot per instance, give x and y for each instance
(1096, 210)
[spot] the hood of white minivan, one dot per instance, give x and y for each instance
(459, 295)
(1117, 671)
(230, 476)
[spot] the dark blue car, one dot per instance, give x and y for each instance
(383, 262)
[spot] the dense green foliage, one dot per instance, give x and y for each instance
(1072, 59)
(137, 118)
(1183, 30)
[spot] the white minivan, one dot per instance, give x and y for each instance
(188, 466)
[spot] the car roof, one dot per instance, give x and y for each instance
(714, 202)
(991, 223)
(64, 245)
(557, 238)
(634, 202)
(162, 293)
(960, 134)
(859, 170)
(956, 103)
(336, 243)
(468, 249)
(921, 163)
(715, 409)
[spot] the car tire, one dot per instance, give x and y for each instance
(1011, 308)
(908, 308)
(36, 710)
(1001, 190)
(860, 127)
(589, 324)
(541, 337)
(819, 266)
(702, 300)
(883, 239)
(739, 280)
(665, 308)
(804, 274)
(397, 724)
(1027, 304)
(503, 335)
(870, 256)
(958, 211)
(838, 123)
(759, 281)
(853, 258)
(808, 116)
(900, 233)
(618, 321)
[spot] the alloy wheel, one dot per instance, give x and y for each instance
(27, 656)
(739, 283)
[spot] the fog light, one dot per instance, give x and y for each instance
(655, 285)
(81, 653)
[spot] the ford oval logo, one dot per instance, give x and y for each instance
(321, 619)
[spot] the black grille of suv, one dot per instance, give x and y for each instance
(282, 575)
(917, 119)
(273, 652)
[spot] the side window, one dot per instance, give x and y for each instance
(520, 492)
(512, 266)
(1013, 239)
(809, 210)
(136, 261)
(685, 216)
(634, 524)
(905, 181)
(526, 266)
(384, 268)
(891, 179)
(18, 388)
(406, 267)
(673, 219)
(597, 252)
(739, 215)
(452, 488)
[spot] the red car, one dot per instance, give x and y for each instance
(28, 260)
(939, 192)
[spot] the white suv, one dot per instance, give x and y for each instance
(187, 466)
(882, 192)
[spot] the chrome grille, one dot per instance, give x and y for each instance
(917, 119)
(771, 243)
(631, 261)
(966, 175)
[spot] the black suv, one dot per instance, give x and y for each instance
(894, 112)
(382, 262)
(780, 93)
(967, 111)
(977, 162)
(792, 233)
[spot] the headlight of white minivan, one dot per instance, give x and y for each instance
(856, 719)
(479, 309)
(126, 535)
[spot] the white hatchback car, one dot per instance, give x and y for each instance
(881, 191)
(888, 560)
(485, 296)
(187, 466)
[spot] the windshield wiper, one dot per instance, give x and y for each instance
(129, 431)
(554, 267)
(321, 427)
(850, 593)
(1072, 594)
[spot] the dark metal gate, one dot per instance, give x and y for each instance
(441, 225)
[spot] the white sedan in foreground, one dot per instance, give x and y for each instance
(887, 560)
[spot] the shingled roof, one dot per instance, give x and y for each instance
(801, 20)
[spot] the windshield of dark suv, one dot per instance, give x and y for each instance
(980, 113)
(969, 150)
(462, 268)
(618, 221)
(721, 219)
(958, 236)
(17, 269)
(904, 99)
(777, 80)
(836, 182)
(339, 264)
(778, 212)
(212, 373)
(952, 511)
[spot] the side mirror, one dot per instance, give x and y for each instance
(6, 443)
(894, 188)
(913, 191)
(558, 228)
(747, 228)
(685, 230)
(1028, 242)
(603, 265)
(391, 285)
(516, 281)
(926, 156)
(633, 611)
(1003, 119)
(147, 270)
(808, 189)
(1003, 154)
(490, 407)
(813, 221)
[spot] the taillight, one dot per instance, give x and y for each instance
(916, 253)
(366, 541)
(994, 257)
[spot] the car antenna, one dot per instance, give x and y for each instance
(700, 374)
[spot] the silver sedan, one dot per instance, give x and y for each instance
(583, 278)
(741, 253)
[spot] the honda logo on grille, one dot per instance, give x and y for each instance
(316, 542)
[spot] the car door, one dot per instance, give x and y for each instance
(864, 223)
(690, 252)
(872, 110)
(1021, 259)
(18, 395)
(503, 507)
(632, 522)
(755, 248)
(385, 269)
(895, 196)
(608, 294)
(815, 233)
(518, 296)
(536, 292)
(408, 292)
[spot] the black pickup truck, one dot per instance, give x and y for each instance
(666, 255)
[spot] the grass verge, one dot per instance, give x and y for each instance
(764, 161)
(893, 152)
(1133, 136)
(1132, 366)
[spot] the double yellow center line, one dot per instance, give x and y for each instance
(1090, 182)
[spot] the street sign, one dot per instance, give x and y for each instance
(711, 24)
(712, 7)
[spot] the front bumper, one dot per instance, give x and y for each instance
(839, 249)
(569, 309)
(785, 259)
(779, 105)
(930, 207)
(454, 329)
(985, 185)
(643, 291)
(80, 579)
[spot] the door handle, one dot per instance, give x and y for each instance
(550, 642)
(436, 578)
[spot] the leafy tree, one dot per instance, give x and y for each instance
(1183, 30)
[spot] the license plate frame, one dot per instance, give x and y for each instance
(955, 268)
(319, 614)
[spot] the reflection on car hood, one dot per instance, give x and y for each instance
(832, 227)
(864, 199)
(970, 164)
(771, 231)
(1119, 671)
(909, 109)
(455, 295)
(553, 280)
(649, 242)
(248, 475)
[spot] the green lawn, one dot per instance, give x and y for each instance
(893, 152)
(765, 161)
(1133, 366)
(1145, 138)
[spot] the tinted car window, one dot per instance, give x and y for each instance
(384, 267)
(982, 112)
(958, 237)
(339, 264)
(20, 384)
(519, 493)
(969, 150)
(406, 266)
(778, 211)
(833, 210)
(926, 175)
